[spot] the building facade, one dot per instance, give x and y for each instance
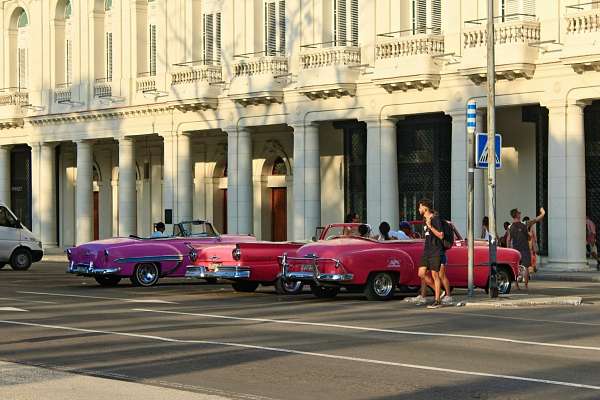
(273, 117)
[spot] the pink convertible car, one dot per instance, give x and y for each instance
(377, 268)
(145, 260)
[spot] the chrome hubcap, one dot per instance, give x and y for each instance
(292, 286)
(147, 273)
(503, 282)
(382, 286)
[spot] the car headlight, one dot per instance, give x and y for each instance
(236, 253)
(69, 253)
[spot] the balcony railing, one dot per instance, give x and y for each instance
(314, 56)
(519, 31)
(103, 87)
(145, 82)
(196, 71)
(583, 18)
(62, 93)
(14, 97)
(403, 46)
(275, 65)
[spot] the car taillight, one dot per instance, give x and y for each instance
(236, 253)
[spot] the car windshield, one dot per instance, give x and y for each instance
(195, 228)
(337, 231)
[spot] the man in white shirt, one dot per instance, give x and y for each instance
(159, 231)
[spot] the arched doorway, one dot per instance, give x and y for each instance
(279, 204)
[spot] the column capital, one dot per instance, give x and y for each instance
(233, 131)
(558, 105)
(457, 113)
(380, 122)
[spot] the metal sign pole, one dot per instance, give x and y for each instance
(491, 128)
(471, 125)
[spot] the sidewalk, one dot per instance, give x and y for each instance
(55, 255)
(588, 276)
(22, 382)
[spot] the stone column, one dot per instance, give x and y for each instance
(168, 183)
(459, 171)
(185, 179)
(127, 188)
(566, 187)
(83, 193)
(307, 181)
(5, 175)
(47, 195)
(36, 190)
(239, 181)
(383, 203)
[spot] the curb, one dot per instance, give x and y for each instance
(594, 277)
(539, 301)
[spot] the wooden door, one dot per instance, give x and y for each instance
(224, 208)
(279, 214)
(96, 216)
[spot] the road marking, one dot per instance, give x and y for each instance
(156, 301)
(28, 301)
(308, 353)
(527, 319)
(12, 309)
(367, 329)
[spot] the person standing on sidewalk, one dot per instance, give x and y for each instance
(433, 250)
(518, 239)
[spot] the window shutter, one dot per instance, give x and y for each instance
(22, 68)
(270, 29)
(354, 15)
(436, 16)
(341, 15)
(419, 16)
(528, 9)
(109, 57)
(69, 62)
(208, 38)
(152, 50)
(218, 39)
(281, 25)
(509, 9)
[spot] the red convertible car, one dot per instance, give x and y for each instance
(145, 260)
(376, 267)
(251, 264)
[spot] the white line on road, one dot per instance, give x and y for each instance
(102, 298)
(527, 319)
(27, 301)
(12, 309)
(310, 353)
(367, 329)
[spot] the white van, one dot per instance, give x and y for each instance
(18, 246)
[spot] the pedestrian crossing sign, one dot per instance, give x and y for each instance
(481, 150)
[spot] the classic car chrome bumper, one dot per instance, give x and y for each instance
(218, 272)
(310, 272)
(90, 270)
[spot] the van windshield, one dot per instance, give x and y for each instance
(6, 218)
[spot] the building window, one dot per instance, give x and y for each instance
(517, 10)
(109, 57)
(22, 65)
(211, 39)
(152, 66)
(279, 167)
(274, 18)
(426, 17)
(345, 22)
(107, 5)
(68, 44)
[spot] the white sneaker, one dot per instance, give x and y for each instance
(447, 300)
(418, 300)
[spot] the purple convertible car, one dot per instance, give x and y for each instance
(145, 260)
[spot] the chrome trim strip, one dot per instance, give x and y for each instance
(89, 270)
(309, 276)
(315, 275)
(123, 260)
(223, 272)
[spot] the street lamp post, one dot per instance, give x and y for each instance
(471, 127)
(491, 131)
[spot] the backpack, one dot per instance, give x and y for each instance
(448, 239)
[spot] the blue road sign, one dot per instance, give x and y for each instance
(471, 116)
(481, 150)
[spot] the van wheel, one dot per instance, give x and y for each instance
(292, 287)
(20, 260)
(108, 281)
(324, 292)
(244, 286)
(146, 274)
(381, 286)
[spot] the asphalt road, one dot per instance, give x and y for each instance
(207, 340)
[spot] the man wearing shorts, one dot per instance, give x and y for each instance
(433, 250)
(518, 239)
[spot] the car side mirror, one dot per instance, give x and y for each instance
(314, 238)
(18, 224)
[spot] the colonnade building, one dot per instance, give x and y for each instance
(273, 117)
